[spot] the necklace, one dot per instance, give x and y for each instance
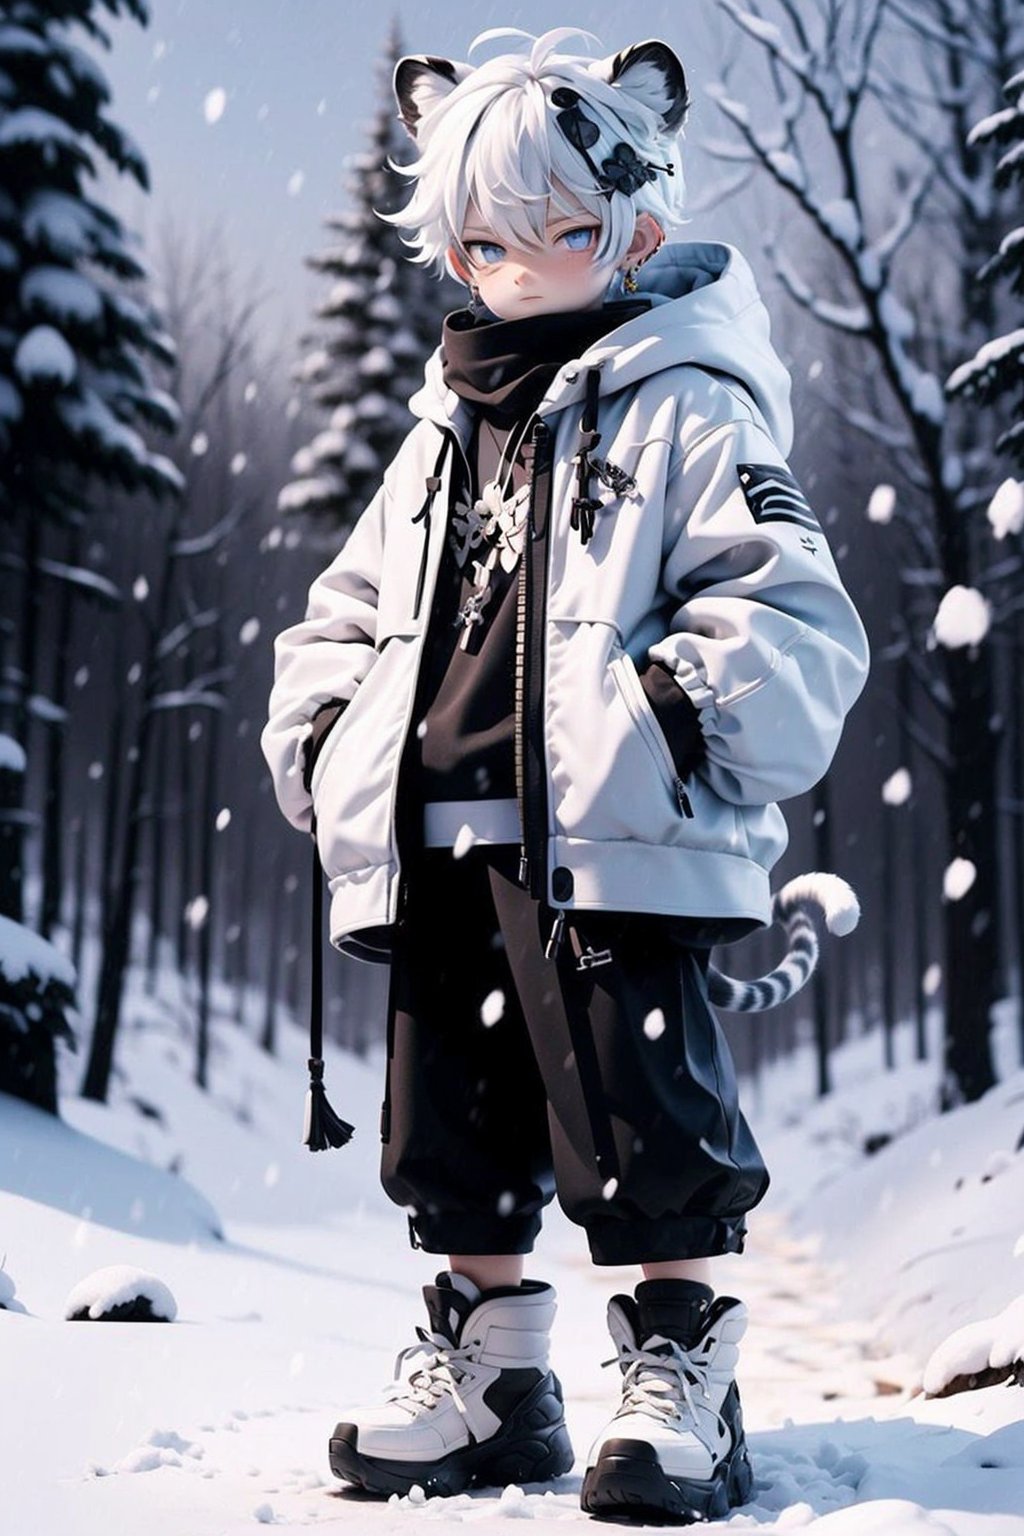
(495, 519)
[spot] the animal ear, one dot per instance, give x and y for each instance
(420, 81)
(651, 72)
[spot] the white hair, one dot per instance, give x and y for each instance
(493, 138)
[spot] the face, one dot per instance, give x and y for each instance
(548, 279)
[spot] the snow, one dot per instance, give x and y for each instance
(214, 103)
(295, 1286)
(12, 754)
(492, 1008)
(115, 1286)
(897, 788)
(986, 357)
(24, 953)
(1006, 509)
(958, 877)
(990, 1343)
(881, 504)
(62, 294)
(43, 354)
(962, 617)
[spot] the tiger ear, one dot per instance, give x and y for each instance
(652, 74)
(420, 82)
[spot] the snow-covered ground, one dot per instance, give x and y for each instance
(295, 1287)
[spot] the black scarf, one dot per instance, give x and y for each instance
(505, 367)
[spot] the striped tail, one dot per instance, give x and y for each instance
(793, 906)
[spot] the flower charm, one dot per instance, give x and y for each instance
(625, 172)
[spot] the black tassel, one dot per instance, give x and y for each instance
(323, 1128)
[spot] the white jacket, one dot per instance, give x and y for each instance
(711, 563)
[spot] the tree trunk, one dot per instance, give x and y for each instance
(53, 808)
(157, 860)
(971, 933)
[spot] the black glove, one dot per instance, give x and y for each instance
(324, 720)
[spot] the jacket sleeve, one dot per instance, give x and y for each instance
(321, 660)
(764, 639)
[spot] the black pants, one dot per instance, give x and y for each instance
(610, 1084)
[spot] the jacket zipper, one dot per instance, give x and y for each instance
(629, 686)
(530, 761)
(432, 490)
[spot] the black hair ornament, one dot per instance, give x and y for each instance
(623, 171)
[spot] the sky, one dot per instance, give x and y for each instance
(298, 83)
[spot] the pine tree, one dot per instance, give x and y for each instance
(997, 368)
(74, 394)
(73, 387)
(381, 321)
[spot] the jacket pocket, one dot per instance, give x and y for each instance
(631, 689)
(354, 780)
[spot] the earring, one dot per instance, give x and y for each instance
(629, 282)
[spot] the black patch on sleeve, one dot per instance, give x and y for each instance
(774, 495)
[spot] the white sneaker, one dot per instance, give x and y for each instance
(675, 1448)
(481, 1405)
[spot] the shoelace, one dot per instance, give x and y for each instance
(425, 1386)
(653, 1382)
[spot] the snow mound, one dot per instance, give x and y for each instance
(987, 1350)
(121, 1293)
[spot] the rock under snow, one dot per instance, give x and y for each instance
(120, 1293)
(979, 1354)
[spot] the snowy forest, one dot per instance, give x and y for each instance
(174, 471)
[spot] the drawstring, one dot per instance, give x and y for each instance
(585, 1053)
(433, 485)
(583, 504)
(323, 1128)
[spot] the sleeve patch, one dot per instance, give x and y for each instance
(774, 495)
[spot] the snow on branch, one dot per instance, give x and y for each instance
(202, 543)
(853, 318)
(90, 583)
(184, 631)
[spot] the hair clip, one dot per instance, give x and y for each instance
(623, 171)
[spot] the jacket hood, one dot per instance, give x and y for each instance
(705, 308)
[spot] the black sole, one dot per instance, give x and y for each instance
(533, 1446)
(628, 1483)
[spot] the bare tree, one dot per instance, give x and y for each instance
(829, 70)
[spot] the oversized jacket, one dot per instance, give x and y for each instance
(705, 557)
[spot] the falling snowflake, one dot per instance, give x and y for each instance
(199, 445)
(295, 183)
(196, 912)
(492, 1008)
(214, 103)
(897, 787)
(465, 839)
(881, 504)
(960, 875)
(223, 819)
(654, 1024)
(1006, 509)
(506, 1203)
(140, 589)
(931, 980)
(238, 462)
(249, 631)
(608, 1189)
(962, 618)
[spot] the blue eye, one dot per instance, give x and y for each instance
(488, 252)
(578, 239)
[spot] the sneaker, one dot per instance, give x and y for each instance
(675, 1449)
(474, 1401)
